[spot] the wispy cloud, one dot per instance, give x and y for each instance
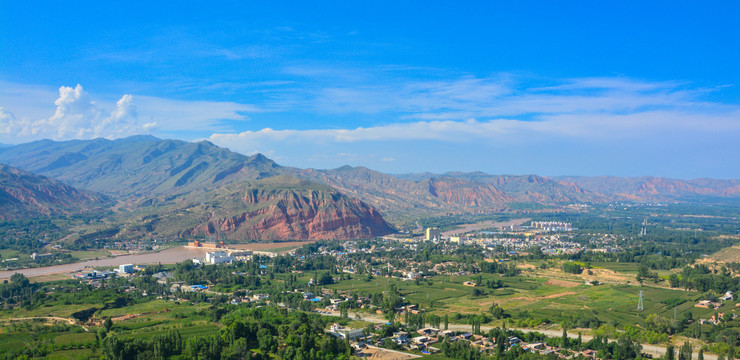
(361, 91)
(504, 109)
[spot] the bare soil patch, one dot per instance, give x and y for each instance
(730, 254)
(383, 354)
(553, 296)
(562, 283)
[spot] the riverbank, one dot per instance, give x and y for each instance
(167, 256)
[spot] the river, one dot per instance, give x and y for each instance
(168, 256)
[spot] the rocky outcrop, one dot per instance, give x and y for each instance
(291, 213)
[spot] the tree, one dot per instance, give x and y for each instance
(674, 280)
(325, 279)
(447, 321)
(670, 353)
(107, 324)
(701, 354)
(686, 351)
(564, 340)
(238, 350)
(265, 339)
(19, 279)
(627, 349)
(500, 343)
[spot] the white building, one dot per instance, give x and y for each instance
(126, 268)
(345, 333)
(218, 257)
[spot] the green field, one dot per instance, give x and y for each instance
(608, 303)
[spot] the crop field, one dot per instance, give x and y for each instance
(621, 267)
(152, 307)
(546, 298)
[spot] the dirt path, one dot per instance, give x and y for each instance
(376, 353)
(54, 318)
(553, 296)
(562, 283)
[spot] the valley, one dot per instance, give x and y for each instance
(147, 244)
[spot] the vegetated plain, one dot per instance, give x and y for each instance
(490, 279)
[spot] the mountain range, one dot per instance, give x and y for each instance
(23, 193)
(252, 197)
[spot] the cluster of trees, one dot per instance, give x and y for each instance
(643, 273)
(503, 268)
(272, 332)
(26, 235)
(622, 349)
(702, 278)
(572, 268)
(18, 290)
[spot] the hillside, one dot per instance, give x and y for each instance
(189, 189)
(451, 192)
(139, 165)
(655, 188)
(24, 195)
(145, 170)
(279, 208)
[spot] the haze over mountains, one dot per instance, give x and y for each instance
(23, 193)
(197, 188)
(177, 188)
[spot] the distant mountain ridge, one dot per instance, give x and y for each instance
(655, 188)
(25, 195)
(165, 177)
(146, 170)
(456, 192)
(139, 165)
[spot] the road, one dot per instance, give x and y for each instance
(655, 350)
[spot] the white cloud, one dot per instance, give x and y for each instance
(605, 127)
(7, 119)
(76, 115)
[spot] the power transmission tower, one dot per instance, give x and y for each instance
(640, 306)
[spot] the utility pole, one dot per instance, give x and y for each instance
(674, 319)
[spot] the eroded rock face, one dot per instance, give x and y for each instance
(24, 195)
(288, 214)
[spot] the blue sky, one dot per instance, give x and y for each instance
(552, 88)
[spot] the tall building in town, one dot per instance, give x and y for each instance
(433, 234)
